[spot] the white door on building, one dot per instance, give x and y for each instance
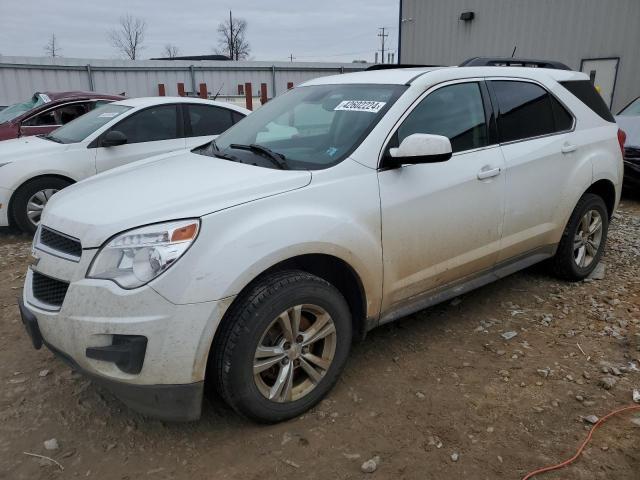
(602, 72)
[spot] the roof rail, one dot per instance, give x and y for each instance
(389, 66)
(512, 62)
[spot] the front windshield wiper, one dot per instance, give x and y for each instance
(49, 137)
(216, 152)
(278, 159)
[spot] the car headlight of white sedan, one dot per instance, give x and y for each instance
(135, 257)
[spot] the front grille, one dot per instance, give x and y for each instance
(59, 242)
(49, 290)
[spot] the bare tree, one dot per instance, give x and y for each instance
(128, 37)
(52, 48)
(232, 38)
(170, 51)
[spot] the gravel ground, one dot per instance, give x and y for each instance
(447, 393)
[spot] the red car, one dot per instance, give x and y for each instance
(46, 111)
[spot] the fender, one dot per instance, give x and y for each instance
(246, 240)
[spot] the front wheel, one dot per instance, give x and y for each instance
(583, 240)
(31, 198)
(282, 346)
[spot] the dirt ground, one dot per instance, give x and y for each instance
(438, 383)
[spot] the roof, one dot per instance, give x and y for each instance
(430, 75)
(150, 101)
(80, 94)
(398, 76)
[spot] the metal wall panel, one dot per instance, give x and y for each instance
(20, 77)
(564, 30)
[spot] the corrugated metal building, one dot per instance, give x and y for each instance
(20, 77)
(601, 38)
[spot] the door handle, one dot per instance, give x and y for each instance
(488, 173)
(568, 148)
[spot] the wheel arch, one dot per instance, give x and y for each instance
(331, 268)
(606, 190)
(31, 179)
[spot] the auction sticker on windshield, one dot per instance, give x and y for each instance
(360, 106)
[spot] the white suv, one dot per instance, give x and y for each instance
(346, 203)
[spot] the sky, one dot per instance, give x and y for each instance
(310, 30)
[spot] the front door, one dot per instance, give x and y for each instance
(152, 131)
(441, 222)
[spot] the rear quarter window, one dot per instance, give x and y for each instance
(587, 94)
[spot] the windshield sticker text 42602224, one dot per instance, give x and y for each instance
(360, 106)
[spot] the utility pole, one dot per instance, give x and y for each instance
(291, 57)
(383, 37)
(231, 43)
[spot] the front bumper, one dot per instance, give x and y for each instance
(179, 403)
(5, 197)
(632, 174)
(169, 384)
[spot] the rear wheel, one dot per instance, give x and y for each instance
(583, 240)
(31, 198)
(282, 346)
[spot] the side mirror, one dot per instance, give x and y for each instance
(419, 148)
(113, 138)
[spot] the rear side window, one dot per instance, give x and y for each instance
(526, 110)
(207, 120)
(237, 116)
(562, 118)
(455, 111)
(587, 94)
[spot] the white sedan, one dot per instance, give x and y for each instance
(34, 168)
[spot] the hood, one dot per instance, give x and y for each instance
(631, 126)
(21, 148)
(169, 187)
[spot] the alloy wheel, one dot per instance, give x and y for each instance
(294, 353)
(587, 239)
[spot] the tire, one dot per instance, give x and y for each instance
(253, 320)
(26, 192)
(566, 263)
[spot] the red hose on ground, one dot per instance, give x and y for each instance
(582, 446)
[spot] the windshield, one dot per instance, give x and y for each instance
(77, 130)
(15, 110)
(311, 127)
(633, 109)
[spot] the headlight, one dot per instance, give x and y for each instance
(134, 258)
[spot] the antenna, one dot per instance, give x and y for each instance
(218, 92)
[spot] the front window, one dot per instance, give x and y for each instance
(14, 111)
(454, 111)
(311, 127)
(77, 130)
(633, 109)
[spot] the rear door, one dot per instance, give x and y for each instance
(152, 131)
(441, 222)
(538, 142)
(205, 122)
